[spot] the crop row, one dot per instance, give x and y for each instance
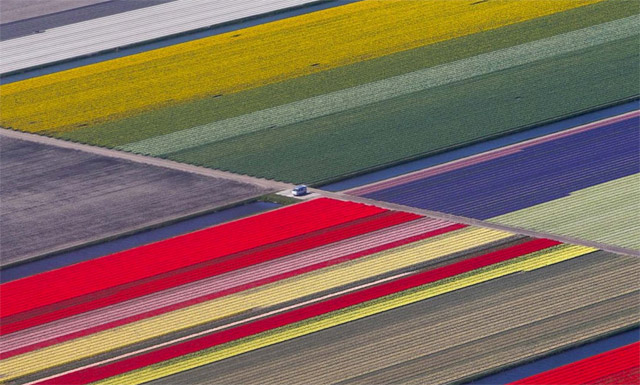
(368, 259)
(533, 175)
(447, 338)
(382, 90)
(224, 284)
(293, 288)
(202, 253)
(437, 119)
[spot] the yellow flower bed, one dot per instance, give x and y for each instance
(252, 57)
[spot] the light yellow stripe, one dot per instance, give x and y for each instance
(264, 296)
(252, 57)
(526, 263)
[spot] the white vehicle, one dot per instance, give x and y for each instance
(299, 190)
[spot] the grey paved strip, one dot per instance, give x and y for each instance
(39, 24)
(541, 310)
(14, 10)
(479, 223)
(54, 198)
(365, 94)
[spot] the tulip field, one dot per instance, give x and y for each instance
(378, 259)
(471, 205)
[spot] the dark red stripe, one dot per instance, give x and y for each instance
(590, 370)
(216, 267)
(237, 289)
(97, 373)
(146, 261)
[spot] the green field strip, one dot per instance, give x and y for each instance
(211, 109)
(608, 213)
(381, 90)
(406, 127)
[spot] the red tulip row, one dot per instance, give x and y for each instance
(618, 366)
(114, 278)
(97, 373)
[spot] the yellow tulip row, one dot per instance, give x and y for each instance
(252, 57)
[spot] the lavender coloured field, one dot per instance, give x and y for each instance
(546, 171)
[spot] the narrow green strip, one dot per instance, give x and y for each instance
(388, 88)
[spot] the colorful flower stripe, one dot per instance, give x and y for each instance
(128, 317)
(252, 57)
(331, 305)
(218, 266)
(626, 377)
(150, 260)
(593, 370)
(199, 289)
(275, 294)
(537, 174)
(525, 263)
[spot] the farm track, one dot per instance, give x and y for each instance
(523, 304)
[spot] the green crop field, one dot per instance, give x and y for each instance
(207, 110)
(322, 149)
